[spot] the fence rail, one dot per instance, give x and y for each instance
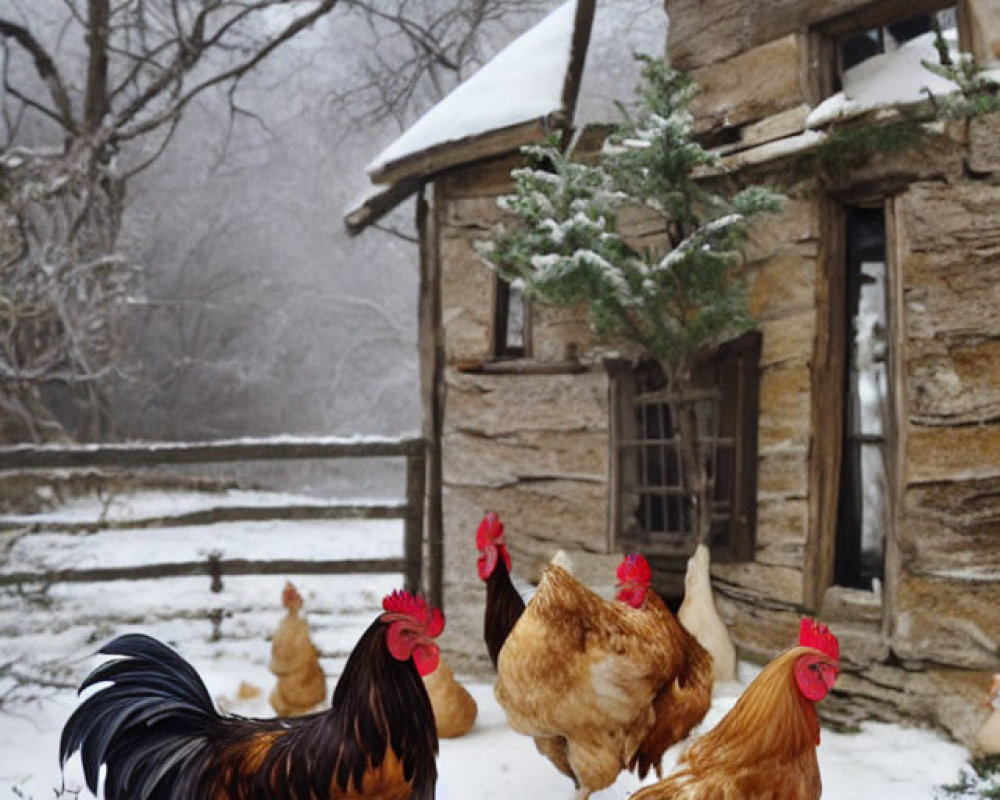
(155, 454)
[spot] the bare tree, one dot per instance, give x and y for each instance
(423, 48)
(111, 90)
(105, 83)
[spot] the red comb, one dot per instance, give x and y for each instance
(817, 636)
(290, 597)
(399, 602)
(634, 569)
(490, 529)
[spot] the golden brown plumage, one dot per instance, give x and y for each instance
(765, 747)
(595, 682)
(155, 729)
(454, 708)
(301, 685)
(682, 703)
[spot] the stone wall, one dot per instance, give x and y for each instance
(530, 445)
(533, 446)
(709, 33)
(924, 650)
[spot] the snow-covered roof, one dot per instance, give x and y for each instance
(524, 82)
(537, 80)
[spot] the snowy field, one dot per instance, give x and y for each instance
(47, 641)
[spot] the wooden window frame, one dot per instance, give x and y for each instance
(500, 349)
(827, 413)
(824, 39)
(731, 374)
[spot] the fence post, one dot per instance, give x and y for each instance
(416, 468)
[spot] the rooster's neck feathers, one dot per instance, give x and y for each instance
(504, 606)
(771, 718)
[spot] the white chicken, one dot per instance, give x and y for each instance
(700, 617)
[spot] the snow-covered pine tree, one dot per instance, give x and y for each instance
(567, 249)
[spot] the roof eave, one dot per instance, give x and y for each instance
(406, 175)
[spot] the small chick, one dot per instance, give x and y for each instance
(454, 708)
(301, 683)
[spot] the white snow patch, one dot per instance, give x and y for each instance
(523, 82)
(55, 635)
(888, 79)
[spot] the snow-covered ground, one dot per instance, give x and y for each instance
(47, 641)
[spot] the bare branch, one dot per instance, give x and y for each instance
(46, 69)
(124, 117)
(95, 104)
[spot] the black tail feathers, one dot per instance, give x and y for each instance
(151, 726)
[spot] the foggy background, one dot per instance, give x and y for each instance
(256, 314)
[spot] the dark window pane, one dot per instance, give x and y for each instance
(861, 517)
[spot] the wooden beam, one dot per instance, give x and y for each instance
(216, 514)
(413, 523)
(827, 407)
(379, 203)
(152, 454)
(228, 567)
(427, 163)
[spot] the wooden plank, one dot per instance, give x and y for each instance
(427, 163)
(211, 516)
(429, 222)
(413, 534)
(827, 407)
(151, 454)
(226, 567)
(376, 205)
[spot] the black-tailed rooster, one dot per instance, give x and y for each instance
(160, 737)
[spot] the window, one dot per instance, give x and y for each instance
(855, 48)
(510, 320)
(650, 510)
(844, 43)
(861, 503)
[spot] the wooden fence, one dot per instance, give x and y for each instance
(141, 455)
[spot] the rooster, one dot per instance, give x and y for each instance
(156, 730)
(594, 682)
(765, 747)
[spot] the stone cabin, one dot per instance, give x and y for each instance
(857, 444)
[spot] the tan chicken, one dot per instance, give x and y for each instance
(765, 747)
(301, 685)
(594, 682)
(454, 708)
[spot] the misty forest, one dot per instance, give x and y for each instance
(185, 174)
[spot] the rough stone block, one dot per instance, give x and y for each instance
(782, 285)
(501, 405)
(952, 453)
(732, 92)
(751, 580)
(784, 406)
(984, 139)
(947, 621)
(788, 339)
(955, 382)
(782, 472)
